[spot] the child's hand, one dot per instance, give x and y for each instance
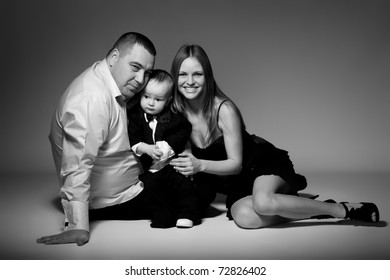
(151, 150)
(154, 152)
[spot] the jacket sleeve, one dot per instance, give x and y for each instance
(135, 127)
(178, 133)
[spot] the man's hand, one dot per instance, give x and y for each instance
(78, 236)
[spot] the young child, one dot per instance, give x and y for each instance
(156, 135)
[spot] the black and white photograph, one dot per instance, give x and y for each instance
(195, 130)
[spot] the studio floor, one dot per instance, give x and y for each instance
(27, 212)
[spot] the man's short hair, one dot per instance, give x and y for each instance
(129, 39)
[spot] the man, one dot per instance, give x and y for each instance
(97, 171)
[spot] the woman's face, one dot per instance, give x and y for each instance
(191, 78)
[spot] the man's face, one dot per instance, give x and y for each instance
(130, 69)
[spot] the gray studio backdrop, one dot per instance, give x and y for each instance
(310, 76)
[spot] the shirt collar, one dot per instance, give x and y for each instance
(107, 76)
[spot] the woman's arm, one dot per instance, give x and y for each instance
(230, 125)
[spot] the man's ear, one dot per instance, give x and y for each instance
(113, 57)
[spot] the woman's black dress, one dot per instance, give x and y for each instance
(260, 158)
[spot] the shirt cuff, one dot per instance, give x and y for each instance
(134, 148)
(76, 215)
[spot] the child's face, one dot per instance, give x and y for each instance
(155, 97)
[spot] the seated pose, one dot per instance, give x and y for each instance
(258, 178)
(156, 135)
(97, 172)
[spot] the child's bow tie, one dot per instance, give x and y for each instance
(150, 117)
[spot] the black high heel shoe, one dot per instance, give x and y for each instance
(364, 212)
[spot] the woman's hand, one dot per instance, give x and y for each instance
(187, 164)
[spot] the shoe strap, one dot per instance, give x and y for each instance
(346, 210)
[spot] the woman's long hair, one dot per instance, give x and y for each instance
(210, 88)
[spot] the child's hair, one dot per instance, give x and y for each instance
(162, 76)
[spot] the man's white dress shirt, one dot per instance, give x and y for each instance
(91, 150)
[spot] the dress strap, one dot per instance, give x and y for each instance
(219, 108)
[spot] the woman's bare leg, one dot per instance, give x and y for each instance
(245, 216)
(270, 197)
(271, 204)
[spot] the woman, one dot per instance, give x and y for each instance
(258, 178)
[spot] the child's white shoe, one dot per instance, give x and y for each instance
(184, 223)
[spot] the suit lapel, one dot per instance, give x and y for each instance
(163, 123)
